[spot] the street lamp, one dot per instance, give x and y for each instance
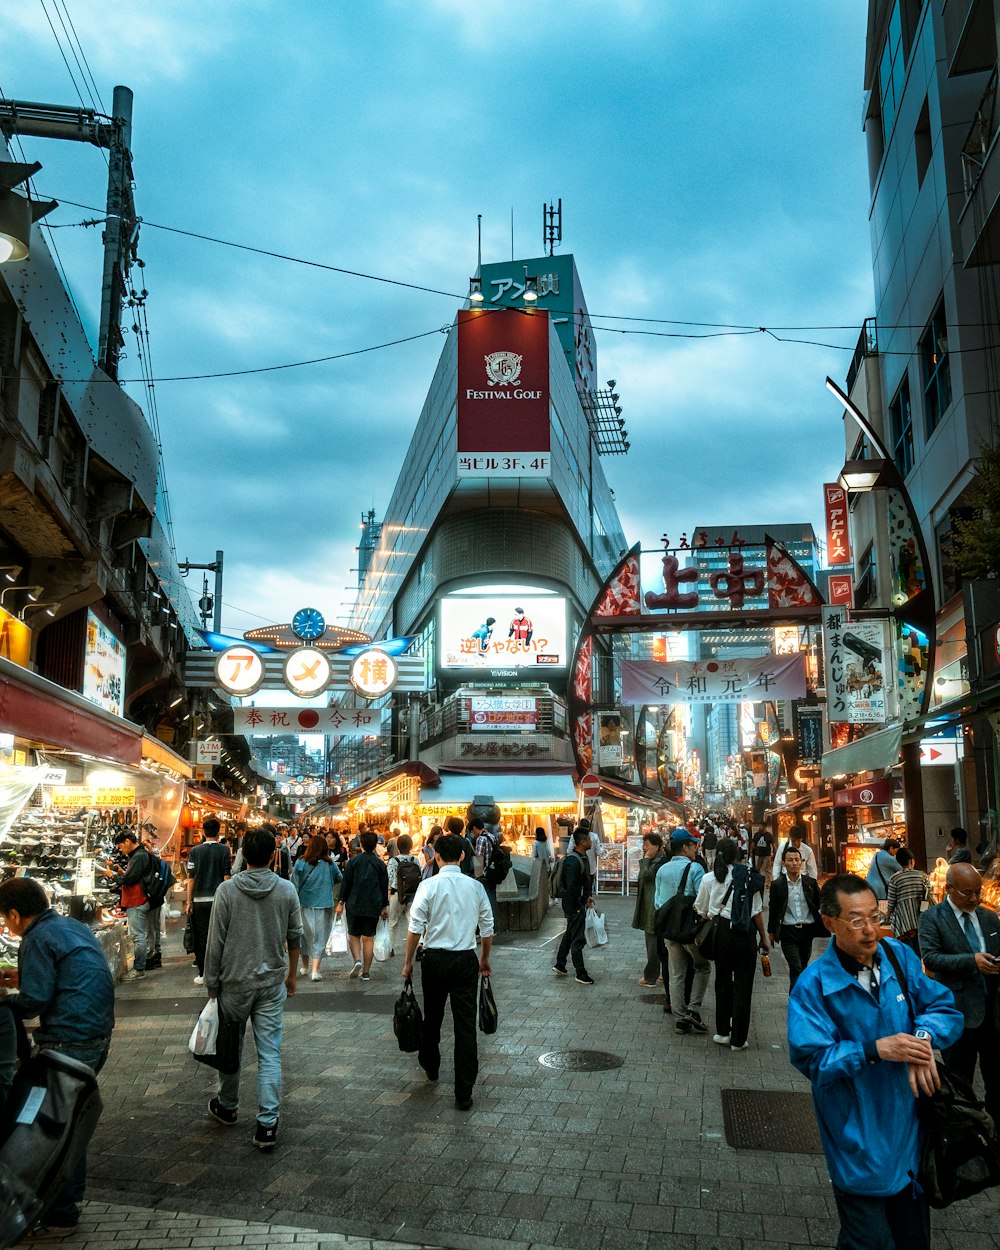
(17, 213)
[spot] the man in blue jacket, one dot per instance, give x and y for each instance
(851, 1032)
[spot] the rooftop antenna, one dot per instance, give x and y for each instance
(479, 246)
(512, 231)
(552, 225)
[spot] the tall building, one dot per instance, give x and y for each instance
(499, 531)
(927, 369)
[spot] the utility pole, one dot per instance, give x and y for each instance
(208, 603)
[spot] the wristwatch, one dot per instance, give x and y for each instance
(923, 1035)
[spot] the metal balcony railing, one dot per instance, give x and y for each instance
(980, 137)
(867, 346)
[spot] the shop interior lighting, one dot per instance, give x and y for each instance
(11, 572)
(475, 297)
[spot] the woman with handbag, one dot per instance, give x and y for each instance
(732, 895)
(315, 878)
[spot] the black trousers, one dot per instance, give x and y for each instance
(656, 959)
(201, 914)
(735, 965)
(899, 1222)
(450, 974)
(573, 940)
(982, 1043)
(796, 946)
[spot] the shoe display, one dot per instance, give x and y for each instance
(697, 1024)
(221, 1113)
(584, 978)
(720, 1040)
(356, 970)
(265, 1136)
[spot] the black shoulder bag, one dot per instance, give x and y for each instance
(961, 1153)
(677, 920)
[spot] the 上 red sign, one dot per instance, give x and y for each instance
(838, 536)
(503, 381)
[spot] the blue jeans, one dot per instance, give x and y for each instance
(899, 1222)
(137, 932)
(65, 1210)
(265, 1009)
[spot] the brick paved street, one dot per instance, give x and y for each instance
(627, 1159)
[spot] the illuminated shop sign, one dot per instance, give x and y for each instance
(104, 668)
(502, 712)
(509, 631)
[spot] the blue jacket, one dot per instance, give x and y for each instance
(315, 883)
(668, 879)
(867, 1115)
(64, 979)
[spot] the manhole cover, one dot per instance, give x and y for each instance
(581, 1060)
(764, 1119)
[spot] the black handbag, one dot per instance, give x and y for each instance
(227, 1046)
(488, 1015)
(961, 1154)
(708, 935)
(677, 920)
(407, 1020)
(188, 935)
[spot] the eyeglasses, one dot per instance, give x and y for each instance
(857, 923)
(966, 893)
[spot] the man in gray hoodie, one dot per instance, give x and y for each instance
(255, 917)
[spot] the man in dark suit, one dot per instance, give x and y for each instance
(793, 917)
(960, 945)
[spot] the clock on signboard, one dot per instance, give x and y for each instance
(308, 624)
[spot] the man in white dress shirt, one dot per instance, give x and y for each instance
(446, 911)
(796, 836)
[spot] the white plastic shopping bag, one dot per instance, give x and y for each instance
(594, 929)
(206, 1031)
(383, 943)
(337, 942)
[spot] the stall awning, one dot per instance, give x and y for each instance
(212, 798)
(158, 752)
(874, 750)
(642, 796)
(45, 713)
(457, 789)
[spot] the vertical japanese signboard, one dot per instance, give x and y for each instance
(503, 393)
(838, 536)
(858, 669)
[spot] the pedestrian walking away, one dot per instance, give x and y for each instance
(251, 967)
(762, 847)
(63, 979)
(683, 872)
(209, 864)
(851, 1032)
(445, 913)
(455, 825)
(734, 893)
(883, 868)
(960, 946)
(793, 917)
(577, 897)
(653, 858)
(364, 895)
(405, 873)
(905, 894)
(315, 878)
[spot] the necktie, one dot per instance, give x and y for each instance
(970, 932)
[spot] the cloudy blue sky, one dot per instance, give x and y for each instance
(712, 169)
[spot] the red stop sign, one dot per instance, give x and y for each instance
(590, 784)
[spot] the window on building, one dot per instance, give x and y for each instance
(891, 73)
(936, 365)
(866, 586)
(901, 429)
(922, 143)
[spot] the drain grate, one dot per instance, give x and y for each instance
(766, 1119)
(581, 1060)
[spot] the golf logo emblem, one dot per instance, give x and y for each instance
(503, 368)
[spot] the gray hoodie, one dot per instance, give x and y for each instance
(254, 916)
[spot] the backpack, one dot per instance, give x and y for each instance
(499, 866)
(557, 879)
(408, 877)
(157, 880)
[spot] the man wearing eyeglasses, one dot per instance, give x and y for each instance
(960, 945)
(851, 1032)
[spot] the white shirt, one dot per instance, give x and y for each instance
(808, 860)
(592, 854)
(712, 891)
(447, 910)
(959, 916)
(797, 911)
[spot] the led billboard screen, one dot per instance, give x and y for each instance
(501, 629)
(104, 668)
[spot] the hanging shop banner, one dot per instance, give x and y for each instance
(840, 587)
(858, 662)
(78, 797)
(494, 712)
(609, 739)
(714, 681)
(838, 536)
(503, 393)
(334, 722)
(104, 668)
(809, 730)
(875, 794)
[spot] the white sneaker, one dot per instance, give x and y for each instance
(199, 980)
(315, 976)
(356, 970)
(745, 1046)
(720, 1040)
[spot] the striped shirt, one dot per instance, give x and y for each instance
(906, 891)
